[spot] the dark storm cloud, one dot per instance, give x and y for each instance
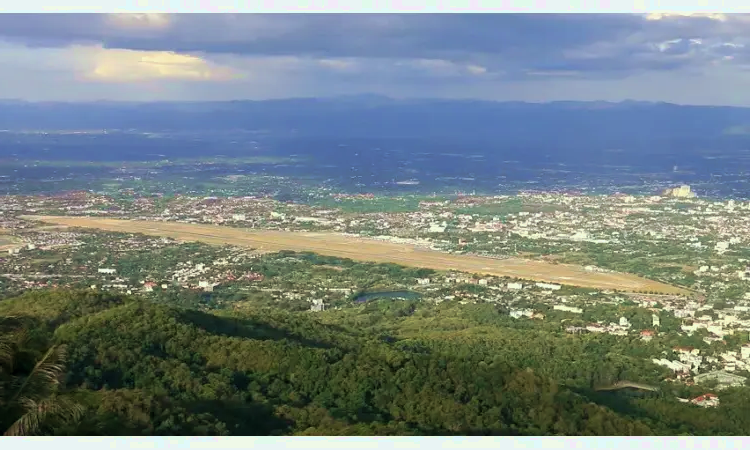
(514, 43)
(328, 35)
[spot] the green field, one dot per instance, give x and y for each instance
(8, 241)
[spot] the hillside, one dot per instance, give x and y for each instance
(389, 367)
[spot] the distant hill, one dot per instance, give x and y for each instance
(367, 115)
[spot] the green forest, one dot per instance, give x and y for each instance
(88, 363)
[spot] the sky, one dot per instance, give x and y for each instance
(679, 58)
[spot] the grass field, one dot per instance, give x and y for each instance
(363, 249)
(8, 242)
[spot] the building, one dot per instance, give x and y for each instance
(551, 287)
(745, 351)
(723, 378)
(680, 192)
(675, 366)
(655, 321)
(437, 228)
(624, 322)
(107, 271)
(515, 286)
(575, 330)
(706, 401)
(568, 309)
(647, 335)
(423, 281)
(206, 285)
(518, 313)
(317, 305)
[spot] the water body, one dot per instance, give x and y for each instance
(405, 295)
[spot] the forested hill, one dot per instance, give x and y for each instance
(386, 368)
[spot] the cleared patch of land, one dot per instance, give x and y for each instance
(8, 242)
(363, 249)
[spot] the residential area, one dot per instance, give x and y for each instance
(700, 244)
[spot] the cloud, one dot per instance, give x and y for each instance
(597, 45)
(139, 21)
(667, 15)
(338, 64)
(476, 70)
(251, 55)
(481, 40)
(133, 66)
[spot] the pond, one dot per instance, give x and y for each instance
(367, 296)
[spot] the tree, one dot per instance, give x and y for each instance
(30, 399)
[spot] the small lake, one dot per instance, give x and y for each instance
(405, 295)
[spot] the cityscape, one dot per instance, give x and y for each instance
(374, 225)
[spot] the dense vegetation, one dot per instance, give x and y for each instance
(383, 368)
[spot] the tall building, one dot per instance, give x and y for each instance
(655, 320)
(680, 192)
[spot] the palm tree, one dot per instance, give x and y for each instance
(31, 398)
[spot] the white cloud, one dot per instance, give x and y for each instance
(337, 64)
(476, 70)
(721, 17)
(127, 66)
(138, 21)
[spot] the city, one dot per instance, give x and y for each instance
(689, 242)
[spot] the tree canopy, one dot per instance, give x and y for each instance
(135, 367)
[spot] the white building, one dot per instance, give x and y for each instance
(107, 271)
(723, 378)
(706, 401)
(515, 286)
(675, 366)
(239, 217)
(518, 313)
(568, 309)
(655, 320)
(551, 287)
(317, 305)
(437, 228)
(624, 322)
